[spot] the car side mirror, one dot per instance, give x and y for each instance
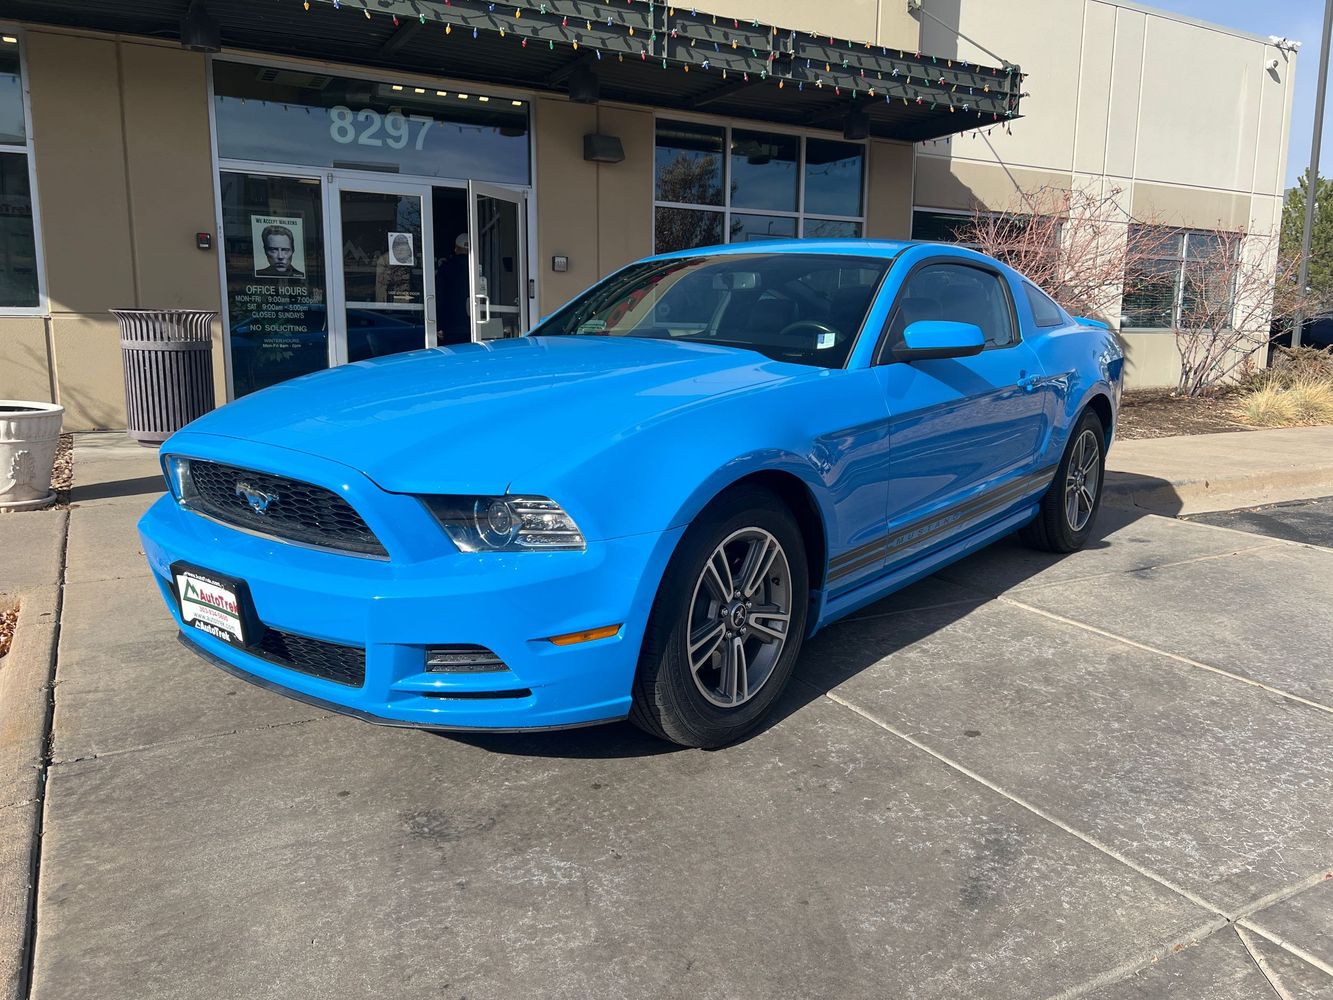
(929, 339)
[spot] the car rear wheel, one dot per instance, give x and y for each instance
(1068, 511)
(727, 624)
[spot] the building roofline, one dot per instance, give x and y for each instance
(1172, 15)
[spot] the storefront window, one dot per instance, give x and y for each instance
(768, 185)
(763, 170)
(19, 283)
(296, 116)
(688, 163)
(834, 177)
(273, 252)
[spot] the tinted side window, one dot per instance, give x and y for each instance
(957, 293)
(1044, 310)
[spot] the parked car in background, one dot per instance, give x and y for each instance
(642, 508)
(1316, 331)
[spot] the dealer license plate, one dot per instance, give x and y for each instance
(212, 603)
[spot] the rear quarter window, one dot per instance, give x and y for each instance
(1044, 310)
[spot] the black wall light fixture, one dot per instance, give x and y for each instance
(603, 148)
(200, 31)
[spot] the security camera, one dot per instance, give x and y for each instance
(1273, 64)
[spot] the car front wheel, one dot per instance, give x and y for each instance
(727, 624)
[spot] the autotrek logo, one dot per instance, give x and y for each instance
(209, 599)
(258, 500)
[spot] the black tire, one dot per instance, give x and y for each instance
(1052, 530)
(669, 701)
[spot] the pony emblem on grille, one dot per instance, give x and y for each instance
(257, 499)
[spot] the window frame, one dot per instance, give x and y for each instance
(726, 210)
(884, 349)
(43, 306)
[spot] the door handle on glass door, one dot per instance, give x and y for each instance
(485, 303)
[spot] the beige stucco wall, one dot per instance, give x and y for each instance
(1185, 119)
(885, 22)
(124, 179)
(889, 201)
(24, 359)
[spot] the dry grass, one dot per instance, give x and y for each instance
(1305, 400)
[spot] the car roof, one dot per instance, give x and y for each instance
(887, 249)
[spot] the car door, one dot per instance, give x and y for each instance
(963, 432)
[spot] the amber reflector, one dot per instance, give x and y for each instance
(605, 632)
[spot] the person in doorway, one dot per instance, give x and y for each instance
(453, 292)
(279, 249)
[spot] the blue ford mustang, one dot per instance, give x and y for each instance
(642, 508)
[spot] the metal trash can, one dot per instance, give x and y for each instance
(168, 359)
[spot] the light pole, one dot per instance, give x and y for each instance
(1312, 179)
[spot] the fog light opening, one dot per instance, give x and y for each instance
(588, 635)
(463, 660)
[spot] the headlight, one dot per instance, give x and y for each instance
(505, 524)
(178, 478)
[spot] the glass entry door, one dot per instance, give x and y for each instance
(499, 282)
(384, 302)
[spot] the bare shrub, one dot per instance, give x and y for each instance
(1070, 243)
(1233, 295)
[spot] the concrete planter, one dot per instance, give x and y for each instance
(29, 433)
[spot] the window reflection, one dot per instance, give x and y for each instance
(688, 163)
(763, 170)
(834, 177)
(18, 245)
(684, 229)
(12, 128)
(748, 228)
(273, 249)
(289, 116)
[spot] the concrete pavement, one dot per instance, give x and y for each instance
(1105, 775)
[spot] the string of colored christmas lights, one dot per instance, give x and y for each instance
(905, 80)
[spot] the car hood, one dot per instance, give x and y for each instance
(479, 418)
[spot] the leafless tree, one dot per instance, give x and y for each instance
(1232, 295)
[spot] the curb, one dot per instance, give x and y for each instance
(25, 679)
(1197, 496)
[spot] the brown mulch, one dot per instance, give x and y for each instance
(1155, 413)
(62, 473)
(9, 616)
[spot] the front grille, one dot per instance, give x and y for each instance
(296, 511)
(341, 664)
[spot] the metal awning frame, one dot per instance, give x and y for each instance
(740, 53)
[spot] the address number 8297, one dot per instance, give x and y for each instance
(367, 127)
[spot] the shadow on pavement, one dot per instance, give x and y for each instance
(1010, 561)
(117, 488)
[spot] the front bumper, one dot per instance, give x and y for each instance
(396, 609)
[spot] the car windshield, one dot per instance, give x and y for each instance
(805, 308)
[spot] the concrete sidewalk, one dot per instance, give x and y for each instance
(1206, 472)
(115, 481)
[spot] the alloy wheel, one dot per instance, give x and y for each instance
(1082, 479)
(739, 617)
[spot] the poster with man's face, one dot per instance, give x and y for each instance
(279, 246)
